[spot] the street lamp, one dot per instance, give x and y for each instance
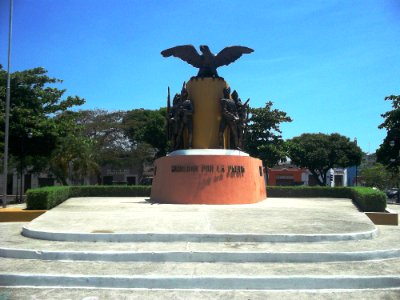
(392, 143)
(355, 142)
(22, 163)
(7, 111)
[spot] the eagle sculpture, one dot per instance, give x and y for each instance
(207, 62)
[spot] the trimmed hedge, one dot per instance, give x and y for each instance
(369, 199)
(49, 197)
(308, 191)
(366, 199)
(111, 191)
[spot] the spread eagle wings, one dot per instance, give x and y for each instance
(187, 53)
(230, 54)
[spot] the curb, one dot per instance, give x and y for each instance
(200, 256)
(192, 237)
(19, 215)
(207, 283)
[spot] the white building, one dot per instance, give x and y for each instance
(337, 177)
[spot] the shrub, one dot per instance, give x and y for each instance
(366, 199)
(308, 191)
(369, 199)
(49, 197)
(110, 191)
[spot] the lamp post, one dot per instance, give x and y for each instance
(24, 138)
(7, 112)
(392, 143)
(355, 142)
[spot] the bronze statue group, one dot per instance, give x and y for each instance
(234, 116)
(233, 111)
(180, 116)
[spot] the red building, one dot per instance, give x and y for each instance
(287, 175)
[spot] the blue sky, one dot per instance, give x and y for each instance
(328, 64)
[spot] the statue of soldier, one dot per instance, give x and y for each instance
(173, 120)
(229, 118)
(242, 114)
(184, 113)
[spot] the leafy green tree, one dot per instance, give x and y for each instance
(320, 152)
(147, 126)
(73, 159)
(74, 155)
(376, 176)
(34, 128)
(263, 137)
(388, 153)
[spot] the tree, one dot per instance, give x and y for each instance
(34, 128)
(263, 134)
(74, 157)
(110, 139)
(376, 176)
(388, 153)
(320, 152)
(147, 126)
(107, 134)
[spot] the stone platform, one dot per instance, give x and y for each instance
(135, 219)
(281, 247)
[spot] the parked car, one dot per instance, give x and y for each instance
(392, 193)
(146, 181)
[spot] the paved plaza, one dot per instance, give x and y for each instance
(128, 248)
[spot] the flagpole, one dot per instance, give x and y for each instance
(7, 113)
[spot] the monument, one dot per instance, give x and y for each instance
(206, 124)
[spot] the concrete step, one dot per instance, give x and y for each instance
(200, 256)
(12, 237)
(179, 269)
(197, 252)
(18, 293)
(135, 220)
(210, 276)
(245, 237)
(210, 283)
(384, 246)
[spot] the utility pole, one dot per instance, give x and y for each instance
(7, 113)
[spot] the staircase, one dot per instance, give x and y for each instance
(213, 257)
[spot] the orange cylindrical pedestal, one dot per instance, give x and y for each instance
(208, 179)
